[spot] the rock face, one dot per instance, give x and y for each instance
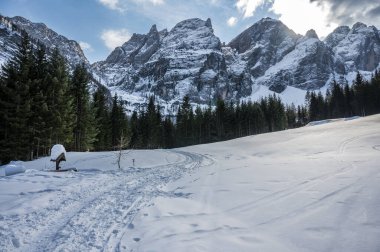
(355, 49)
(264, 44)
(274, 56)
(186, 60)
(307, 66)
(10, 35)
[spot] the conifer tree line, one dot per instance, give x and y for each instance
(43, 103)
(362, 98)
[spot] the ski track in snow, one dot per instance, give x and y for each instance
(309, 189)
(95, 216)
(315, 184)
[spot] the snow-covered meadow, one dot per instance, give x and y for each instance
(315, 188)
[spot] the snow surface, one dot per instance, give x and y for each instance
(290, 95)
(308, 189)
(12, 168)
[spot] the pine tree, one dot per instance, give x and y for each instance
(134, 130)
(220, 116)
(360, 95)
(16, 81)
(85, 129)
(102, 117)
(60, 102)
(39, 108)
(119, 123)
(168, 137)
(153, 115)
(198, 126)
(337, 101)
(183, 122)
(291, 116)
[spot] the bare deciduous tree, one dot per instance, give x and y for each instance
(122, 153)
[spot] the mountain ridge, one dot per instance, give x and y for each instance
(267, 54)
(11, 29)
(190, 60)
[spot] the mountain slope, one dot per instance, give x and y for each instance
(10, 36)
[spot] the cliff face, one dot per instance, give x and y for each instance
(186, 60)
(355, 49)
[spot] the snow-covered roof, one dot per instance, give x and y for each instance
(56, 151)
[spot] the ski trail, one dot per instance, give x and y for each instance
(97, 212)
(307, 184)
(325, 198)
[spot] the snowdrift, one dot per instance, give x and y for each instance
(314, 123)
(12, 168)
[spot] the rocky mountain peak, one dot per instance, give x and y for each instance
(137, 50)
(356, 49)
(192, 25)
(336, 36)
(163, 33)
(358, 26)
(153, 29)
(43, 34)
(264, 44)
(192, 34)
(208, 23)
(265, 31)
(311, 34)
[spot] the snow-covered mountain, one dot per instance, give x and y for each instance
(10, 36)
(186, 60)
(274, 56)
(190, 59)
(355, 49)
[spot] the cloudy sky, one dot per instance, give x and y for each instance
(101, 25)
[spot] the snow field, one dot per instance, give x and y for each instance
(314, 188)
(309, 189)
(90, 210)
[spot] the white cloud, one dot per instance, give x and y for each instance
(115, 38)
(154, 2)
(302, 15)
(157, 2)
(112, 4)
(248, 7)
(121, 5)
(232, 21)
(86, 46)
(348, 12)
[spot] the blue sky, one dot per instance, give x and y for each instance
(101, 25)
